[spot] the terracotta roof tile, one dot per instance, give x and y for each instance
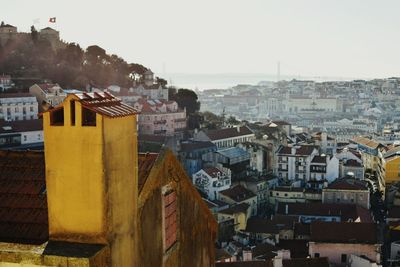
(344, 232)
(348, 184)
(145, 162)
(229, 133)
(238, 193)
(21, 126)
(23, 202)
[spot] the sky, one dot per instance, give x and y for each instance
(333, 38)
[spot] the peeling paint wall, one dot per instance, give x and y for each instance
(196, 227)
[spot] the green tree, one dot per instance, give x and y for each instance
(187, 99)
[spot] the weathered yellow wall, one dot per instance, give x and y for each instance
(121, 171)
(196, 226)
(75, 179)
(392, 171)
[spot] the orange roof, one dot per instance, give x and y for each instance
(103, 103)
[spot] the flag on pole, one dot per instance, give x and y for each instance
(52, 20)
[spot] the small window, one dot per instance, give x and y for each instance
(88, 117)
(344, 258)
(57, 117)
(170, 219)
(316, 255)
(72, 108)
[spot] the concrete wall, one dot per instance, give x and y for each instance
(334, 251)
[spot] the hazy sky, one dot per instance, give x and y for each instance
(345, 38)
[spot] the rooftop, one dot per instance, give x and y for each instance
(239, 208)
(229, 133)
(344, 232)
(213, 172)
(345, 211)
(21, 126)
(23, 201)
(348, 184)
(233, 152)
(305, 150)
(366, 142)
(238, 193)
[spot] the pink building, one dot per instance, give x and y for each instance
(339, 240)
(160, 117)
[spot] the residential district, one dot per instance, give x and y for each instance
(305, 174)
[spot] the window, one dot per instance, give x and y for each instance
(88, 117)
(316, 255)
(344, 258)
(57, 117)
(169, 219)
(72, 108)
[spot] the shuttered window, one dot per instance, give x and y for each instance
(170, 216)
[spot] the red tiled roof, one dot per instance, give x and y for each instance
(301, 151)
(103, 103)
(366, 142)
(21, 126)
(319, 159)
(239, 208)
(106, 104)
(348, 184)
(344, 232)
(238, 193)
(301, 229)
(23, 202)
(229, 133)
(145, 162)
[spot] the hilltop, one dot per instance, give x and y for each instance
(41, 55)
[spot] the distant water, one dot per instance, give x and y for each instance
(227, 80)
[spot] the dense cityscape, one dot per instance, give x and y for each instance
(103, 163)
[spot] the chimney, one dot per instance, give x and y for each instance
(238, 128)
(293, 151)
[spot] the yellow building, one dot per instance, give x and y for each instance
(91, 181)
(389, 166)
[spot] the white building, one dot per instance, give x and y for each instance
(160, 117)
(21, 133)
(149, 88)
(212, 180)
(324, 167)
(51, 94)
(227, 137)
(294, 162)
(5, 82)
(18, 107)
